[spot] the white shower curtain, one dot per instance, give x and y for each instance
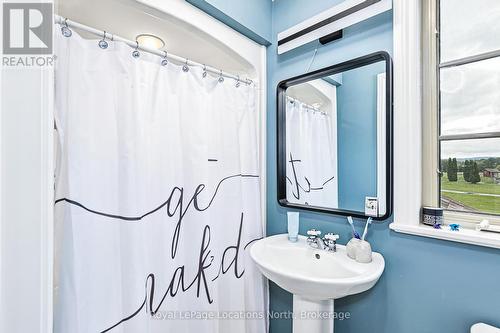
(311, 156)
(157, 197)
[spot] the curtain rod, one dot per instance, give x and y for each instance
(72, 24)
(315, 109)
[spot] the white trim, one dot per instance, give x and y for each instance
(47, 202)
(2, 219)
(263, 136)
(27, 200)
(407, 112)
(381, 145)
(262, 87)
(342, 23)
(467, 236)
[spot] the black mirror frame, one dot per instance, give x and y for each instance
(281, 130)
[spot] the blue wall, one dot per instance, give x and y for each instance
(428, 285)
(252, 18)
(357, 136)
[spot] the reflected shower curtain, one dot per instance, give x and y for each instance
(311, 156)
(157, 198)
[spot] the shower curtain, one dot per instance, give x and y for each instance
(311, 156)
(157, 196)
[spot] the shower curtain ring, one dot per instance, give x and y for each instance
(238, 82)
(204, 71)
(136, 53)
(221, 78)
(102, 43)
(164, 61)
(185, 68)
(65, 30)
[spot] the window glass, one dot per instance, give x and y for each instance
(470, 97)
(468, 27)
(470, 179)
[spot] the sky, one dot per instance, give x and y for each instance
(470, 94)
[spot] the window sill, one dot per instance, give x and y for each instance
(467, 236)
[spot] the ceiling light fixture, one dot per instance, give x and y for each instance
(150, 41)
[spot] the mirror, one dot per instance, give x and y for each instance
(335, 138)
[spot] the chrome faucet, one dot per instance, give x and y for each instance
(313, 239)
(328, 242)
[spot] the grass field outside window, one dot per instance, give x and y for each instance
(482, 197)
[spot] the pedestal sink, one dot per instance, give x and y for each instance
(314, 277)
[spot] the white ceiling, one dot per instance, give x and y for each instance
(127, 18)
(308, 93)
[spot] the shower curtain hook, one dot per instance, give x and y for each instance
(136, 53)
(102, 43)
(185, 68)
(164, 61)
(238, 82)
(204, 71)
(65, 30)
(221, 78)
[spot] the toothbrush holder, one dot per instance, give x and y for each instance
(352, 247)
(364, 252)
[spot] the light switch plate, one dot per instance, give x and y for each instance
(371, 206)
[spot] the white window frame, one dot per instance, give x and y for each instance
(416, 128)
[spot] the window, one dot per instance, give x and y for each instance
(463, 110)
(428, 45)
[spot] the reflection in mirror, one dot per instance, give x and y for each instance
(311, 126)
(336, 140)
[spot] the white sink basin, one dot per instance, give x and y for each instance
(311, 273)
(315, 277)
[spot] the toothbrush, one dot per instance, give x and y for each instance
(354, 232)
(368, 222)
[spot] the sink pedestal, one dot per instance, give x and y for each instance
(312, 316)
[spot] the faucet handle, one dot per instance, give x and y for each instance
(330, 241)
(331, 236)
(313, 232)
